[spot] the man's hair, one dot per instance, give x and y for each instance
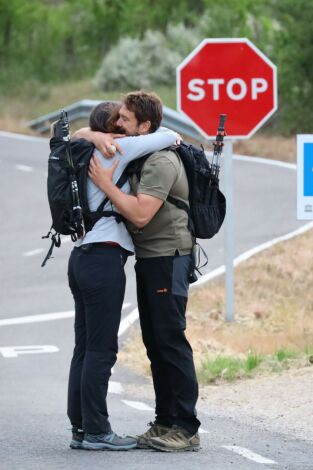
(104, 116)
(146, 107)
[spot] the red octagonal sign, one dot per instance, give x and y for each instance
(227, 76)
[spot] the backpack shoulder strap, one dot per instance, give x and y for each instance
(120, 183)
(135, 167)
(91, 218)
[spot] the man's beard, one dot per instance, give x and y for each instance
(118, 130)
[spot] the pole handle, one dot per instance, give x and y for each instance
(221, 125)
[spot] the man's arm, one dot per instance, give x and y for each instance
(138, 209)
(103, 142)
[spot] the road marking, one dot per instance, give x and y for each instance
(248, 454)
(43, 317)
(26, 168)
(128, 321)
(115, 387)
(15, 351)
(38, 251)
(35, 252)
(66, 239)
(37, 318)
(203, 431)
(266, 161)
(248, 254)
(138, 405)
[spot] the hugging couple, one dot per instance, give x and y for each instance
(157, 231)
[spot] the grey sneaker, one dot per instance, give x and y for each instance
(155, 430)
(108, 441)
(176, 440)
(77, 438)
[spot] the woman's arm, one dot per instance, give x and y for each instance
(136, 146)
(105, 143)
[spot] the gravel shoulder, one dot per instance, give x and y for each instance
(278, 402)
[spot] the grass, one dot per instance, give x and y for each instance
(285, 354)
(227, 368)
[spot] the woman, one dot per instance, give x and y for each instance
(97, 281)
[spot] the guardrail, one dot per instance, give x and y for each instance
(81, 110)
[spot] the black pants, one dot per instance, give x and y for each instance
(97, 281)
(162, 291)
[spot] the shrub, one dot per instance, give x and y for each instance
(146, 62)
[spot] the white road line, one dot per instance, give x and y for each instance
(35, 252)
(115, 387)
(43, 317)
(26, 168)
(203, 431)
(38, 251)
(266, 161)
(66, 238)
(248, 454)
(126, 305)
(248, 254)
(15, 351)
(128, 321)
(138, 405)
(37, 318)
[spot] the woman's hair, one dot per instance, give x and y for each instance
(104, 116)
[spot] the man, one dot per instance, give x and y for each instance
(163, 246)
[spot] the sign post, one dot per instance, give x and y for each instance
(229, 248)
(232, 77)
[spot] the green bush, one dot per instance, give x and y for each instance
(147, 62)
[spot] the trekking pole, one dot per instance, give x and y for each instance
(77, 209)
(218, 146)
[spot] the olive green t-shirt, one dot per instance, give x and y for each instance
(167, 233)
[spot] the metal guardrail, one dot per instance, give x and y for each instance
(81, 110)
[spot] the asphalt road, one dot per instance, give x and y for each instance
(35, 356)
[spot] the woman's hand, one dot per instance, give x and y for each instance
(179, 139)
(99, 175)
(105, 143)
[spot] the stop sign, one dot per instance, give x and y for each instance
(227, 76)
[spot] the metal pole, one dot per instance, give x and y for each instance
(229, 231)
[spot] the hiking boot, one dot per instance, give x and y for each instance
(155, 430)
(108, 441)
(77, 438)
(176, 440)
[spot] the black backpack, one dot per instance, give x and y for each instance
(207, 204)
(67, 187)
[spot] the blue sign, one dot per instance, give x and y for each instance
(308, 169)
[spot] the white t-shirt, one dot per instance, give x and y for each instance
(107, 229)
